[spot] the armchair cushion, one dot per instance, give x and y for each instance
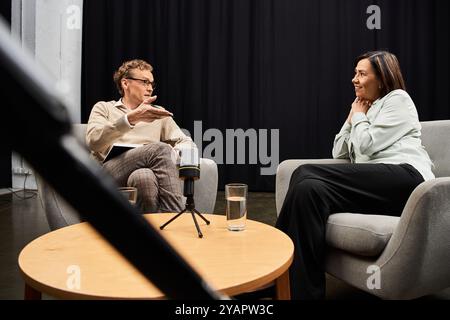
(361, 234)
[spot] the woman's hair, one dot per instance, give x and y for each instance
(387, 70)
(124, 71)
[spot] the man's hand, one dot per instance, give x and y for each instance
(359, 105)
(147, 113)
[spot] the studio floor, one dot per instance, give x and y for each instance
(21, 221)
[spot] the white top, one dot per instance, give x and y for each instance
(389, 133)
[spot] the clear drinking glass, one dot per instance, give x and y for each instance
(130, 193)
(236, 197)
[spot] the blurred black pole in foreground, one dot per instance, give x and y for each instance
(36, 124)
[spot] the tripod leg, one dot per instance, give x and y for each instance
(201, 216)
(165, 224)
(200, 234)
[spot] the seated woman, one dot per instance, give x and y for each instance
(381, 137)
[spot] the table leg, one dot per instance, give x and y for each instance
(31, 293)
(282, 287)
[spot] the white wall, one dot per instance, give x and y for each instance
(51, 31)
(58, 47)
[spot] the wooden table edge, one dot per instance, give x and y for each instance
(34, 288)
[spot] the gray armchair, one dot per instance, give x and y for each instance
(59, 214)
(410, 254)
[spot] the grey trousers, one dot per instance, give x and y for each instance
(152, 171)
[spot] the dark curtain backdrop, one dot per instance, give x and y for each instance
(5, 153)
(265, 64)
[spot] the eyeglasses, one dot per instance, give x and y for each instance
(145, 82)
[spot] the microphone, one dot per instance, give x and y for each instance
(189, 168)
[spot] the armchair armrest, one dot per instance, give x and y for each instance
(419, 248)
(205, 191)
(58, 212)
(285, 170)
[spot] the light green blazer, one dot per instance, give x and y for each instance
(389, 133)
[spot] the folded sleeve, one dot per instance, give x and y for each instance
(341, 142)
(173, 135)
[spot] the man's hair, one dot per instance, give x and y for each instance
(387, 70)
(125, 71)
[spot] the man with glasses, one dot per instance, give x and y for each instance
(134, 119)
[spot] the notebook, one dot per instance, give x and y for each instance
(119, 148)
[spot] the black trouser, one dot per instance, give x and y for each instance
(316, 191)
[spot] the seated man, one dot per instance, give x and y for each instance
(133, 119)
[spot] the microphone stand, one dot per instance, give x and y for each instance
(188, 192)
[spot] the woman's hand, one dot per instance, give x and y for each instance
(359, 105)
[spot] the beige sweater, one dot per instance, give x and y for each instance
(107, 125)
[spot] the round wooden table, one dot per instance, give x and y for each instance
(75, 262)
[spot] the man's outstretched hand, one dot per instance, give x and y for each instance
(146, 112)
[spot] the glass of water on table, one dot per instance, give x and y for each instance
(236, 197)
(130, 193)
